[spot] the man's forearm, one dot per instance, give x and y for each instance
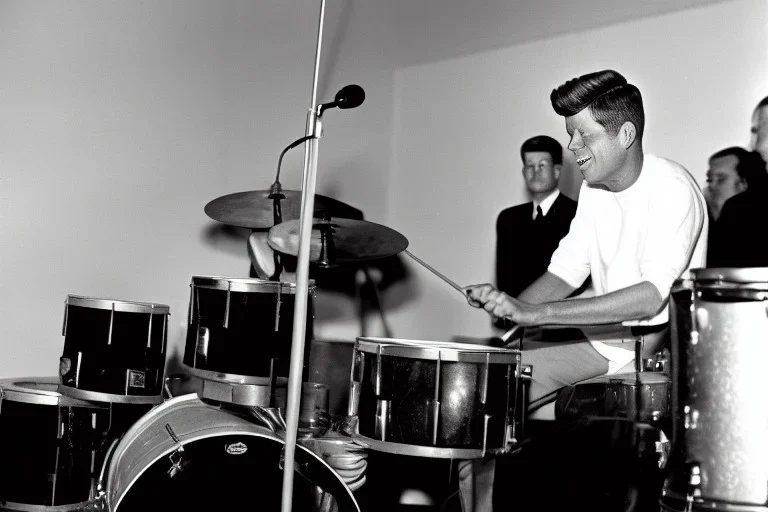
(632, 303)
(546, 288)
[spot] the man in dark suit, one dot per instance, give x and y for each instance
(528, 234)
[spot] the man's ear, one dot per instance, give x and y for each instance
(558, 168)
(627, 134)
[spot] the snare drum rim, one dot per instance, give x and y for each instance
(14, 390)
(245, 284)
(755, 278)
(434, 350)
(215, 430)
(121, 306)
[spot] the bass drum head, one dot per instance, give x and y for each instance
(228, 463)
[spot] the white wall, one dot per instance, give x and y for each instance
(121, 120)
(459, 125)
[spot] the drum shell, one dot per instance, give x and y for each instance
(224, 456)
(720, 414)
(641, 397)
(113, 347)
(475, 398)
(245, 330)
(47, 442)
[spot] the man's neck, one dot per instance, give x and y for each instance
(630, 172)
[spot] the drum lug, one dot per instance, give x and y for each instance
(691, 418)
(355, 381)
(177, 457)
(382, 419)
(201, 350)
(694, 485)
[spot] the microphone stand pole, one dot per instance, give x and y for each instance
(314, 130)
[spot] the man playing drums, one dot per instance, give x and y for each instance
(640, 224)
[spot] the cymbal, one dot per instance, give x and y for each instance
(254, 209)
(346, 240)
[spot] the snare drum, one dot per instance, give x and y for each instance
(114, 350)
(719, 457)
(240, 330)
(50, 446)
(432, 399)
(186, 455)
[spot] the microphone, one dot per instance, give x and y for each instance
(350, 96)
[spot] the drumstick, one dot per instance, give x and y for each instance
(438, 274)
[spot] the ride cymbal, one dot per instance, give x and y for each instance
(339, 240)
(254, 209)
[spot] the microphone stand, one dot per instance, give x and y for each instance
(314, 130)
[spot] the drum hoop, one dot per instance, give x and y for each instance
(419, 450)
(246, 285)
(28, 507)
(121, 306)
(98, 396)
(214, 431)
(432, 350)
(231, 378)
(754, 278)
(709, 504)
(13, 390)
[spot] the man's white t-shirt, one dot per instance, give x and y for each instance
(655, 231)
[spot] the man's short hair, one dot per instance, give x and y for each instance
(750, 166)
(545, 144)
(610, 99)
(763, 103)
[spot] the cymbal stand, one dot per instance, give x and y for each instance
(314, 130)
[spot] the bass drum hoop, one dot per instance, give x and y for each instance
(130, 436)
(40, 391)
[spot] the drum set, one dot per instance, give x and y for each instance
(112, 432)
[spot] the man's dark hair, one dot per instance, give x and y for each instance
(750, 166)
(763, 103)
(610, 99)
(543, 143)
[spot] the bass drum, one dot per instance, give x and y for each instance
(187, 455)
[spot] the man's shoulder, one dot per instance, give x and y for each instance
(516, 211)
(673, 176)
(564, 201)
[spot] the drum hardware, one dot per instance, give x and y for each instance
(177, 457)
(338, 241)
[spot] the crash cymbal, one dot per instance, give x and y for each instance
(254, 209)
(339, 240)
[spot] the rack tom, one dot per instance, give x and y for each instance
(719, 456)
(432, 399)
(114, 350)
(240, 330)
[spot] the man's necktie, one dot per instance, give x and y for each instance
(539, 216)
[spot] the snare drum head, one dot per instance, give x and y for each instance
(226, 463)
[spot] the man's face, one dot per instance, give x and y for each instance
(759, 139)
(723, 181)
(600, 155)
(541, 175)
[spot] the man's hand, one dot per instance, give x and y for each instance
(501, 305)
